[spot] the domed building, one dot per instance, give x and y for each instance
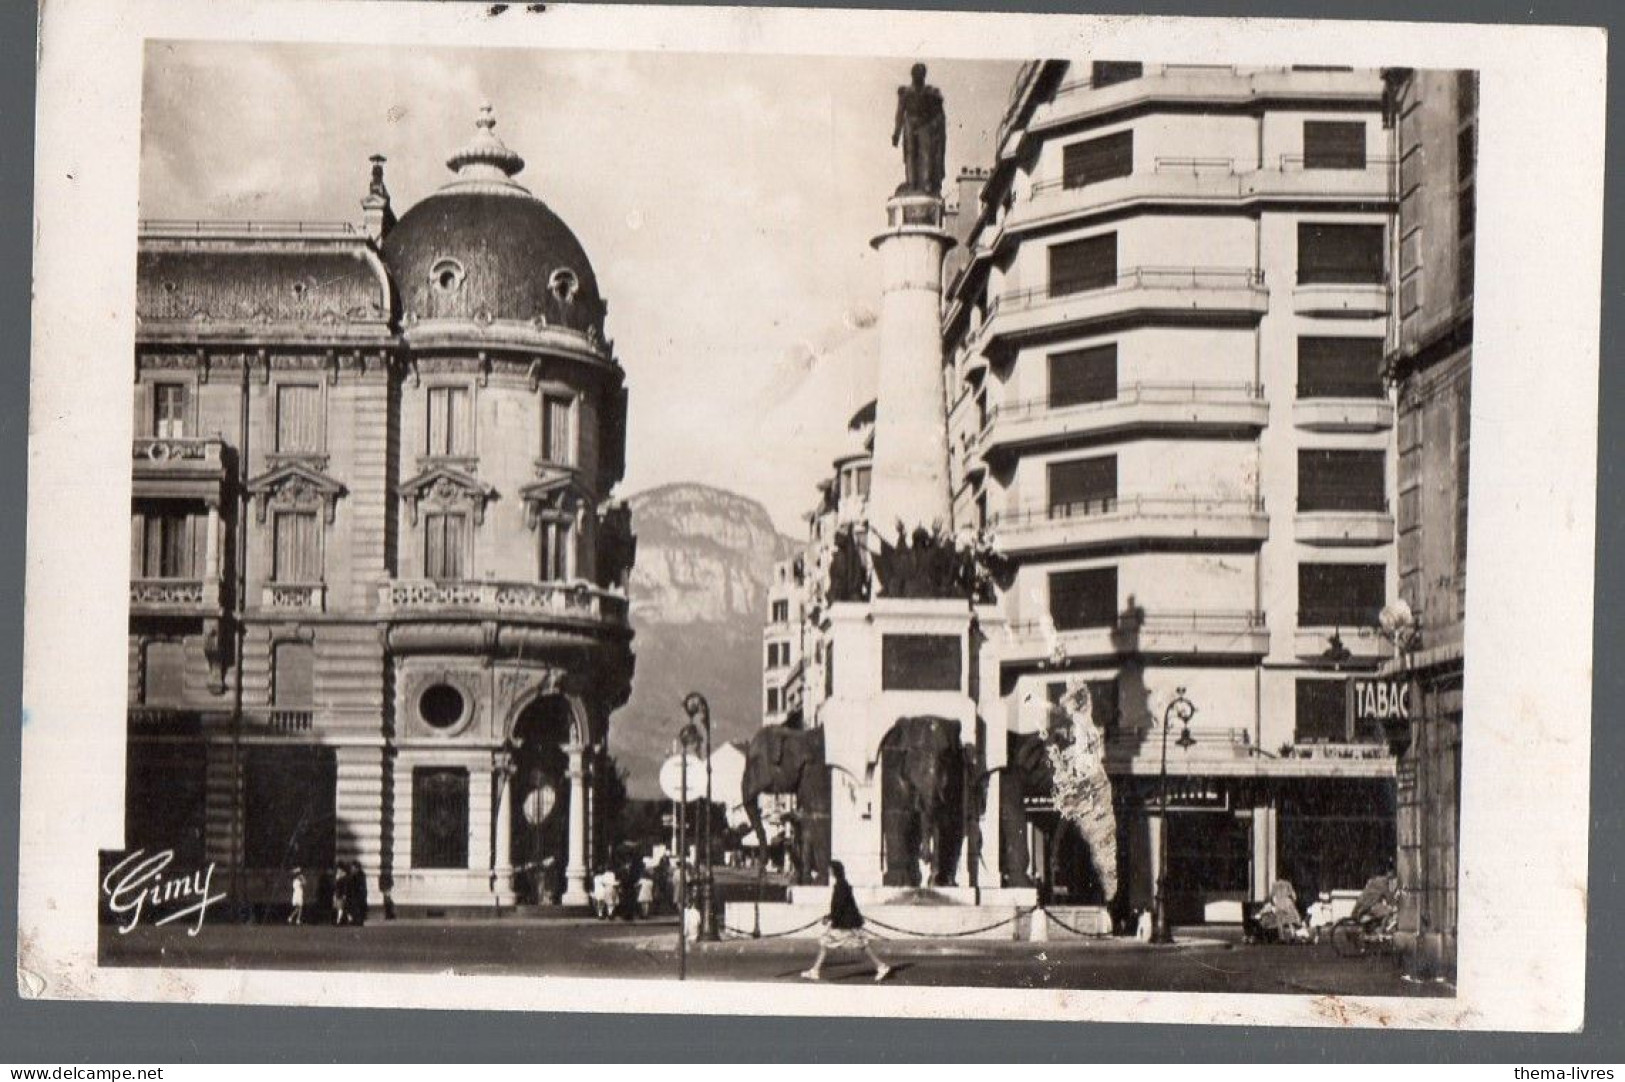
(378, 610)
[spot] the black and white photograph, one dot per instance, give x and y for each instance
(792, 519)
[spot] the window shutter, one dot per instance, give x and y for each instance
(1079, 599)
(1082, 486)
(1333, 144)
(298, 419)
(1082, 376)
(1340, 595)
(1085, 264)
(557, 439)
(1340, 368)
(1342, 480)
(296, 558)
(443, 546)
(1095, 160)
(169, 410)
(1332, 253)
(294, 675)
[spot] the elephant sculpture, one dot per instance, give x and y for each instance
(783, 760)
(922, 801)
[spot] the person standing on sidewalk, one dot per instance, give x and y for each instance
(845, 929)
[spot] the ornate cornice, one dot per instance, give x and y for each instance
(557, 492)
(444, 485)
(295, 485)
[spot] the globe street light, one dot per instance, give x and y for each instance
(1160, 931)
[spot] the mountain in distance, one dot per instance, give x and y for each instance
(698, 594)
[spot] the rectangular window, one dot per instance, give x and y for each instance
(298, 419)
(1083, 486)
(439, 817)
(1080, 599)
(1342, 480)
(1340, 254)
(557, 541)
(169, 410)
(1081, 376)
(451, 429)
(1081, 265)
(558, 431)
(167, 552)
(1340, 595)
(443, 541)
(1333, 144)
(920, 663)
(290, 806)
(860, 481)
(1108, 72)
(293, 675)
(772, 700)
(1322, 715)
(163, 673)
(298, 553)
(1095, 160)
(781, 612)
(1340, 368)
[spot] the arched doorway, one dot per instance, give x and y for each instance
(539, 845)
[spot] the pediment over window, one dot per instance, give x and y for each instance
(556, 493)
(444, 486)
(295, 486)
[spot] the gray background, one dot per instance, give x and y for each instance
(52, 1033)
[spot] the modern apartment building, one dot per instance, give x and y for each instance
(1164, 363)
(1435, 121)
(377, 604)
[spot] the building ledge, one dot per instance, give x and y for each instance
(1344, 527)
(1343, 414)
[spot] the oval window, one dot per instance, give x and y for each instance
(442, 706)
(446, 275)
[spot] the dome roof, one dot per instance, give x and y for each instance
(483, 248)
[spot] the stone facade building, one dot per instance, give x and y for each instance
(377, 606)
(1430, 352)
(1164, 363)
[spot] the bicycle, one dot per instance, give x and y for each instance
(1356, 937)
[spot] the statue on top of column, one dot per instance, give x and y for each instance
(921, 128)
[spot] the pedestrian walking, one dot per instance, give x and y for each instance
(341, 895)
(845, 929)
(297, 916)
(358, 893)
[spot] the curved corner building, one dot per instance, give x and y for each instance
(377, 606)
(1165, 349)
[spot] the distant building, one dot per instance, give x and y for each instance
(1164, 359)
(1435, 129)
(377, 604)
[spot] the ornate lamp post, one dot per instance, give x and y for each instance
(699, 713)
(1186, 710)
(688, 738)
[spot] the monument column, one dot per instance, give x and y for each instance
(910, 482)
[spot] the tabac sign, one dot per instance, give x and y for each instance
(1377, 704)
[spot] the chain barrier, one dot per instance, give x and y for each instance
(871, 921)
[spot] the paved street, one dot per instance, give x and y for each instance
(587, 948)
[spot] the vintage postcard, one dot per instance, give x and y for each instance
(1005, 516)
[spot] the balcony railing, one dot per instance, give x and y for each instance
(309, 596)
(1222, 632)
(173, 596)
(1152, 393)
(180, 450)
(1131, 507)
(225, 227)
(562, 600)
(1337, 616)
(1214, 279)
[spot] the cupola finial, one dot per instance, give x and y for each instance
(485, 157)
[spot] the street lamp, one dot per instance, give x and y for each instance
(688, 738)
(699, 713)
(1186, 710)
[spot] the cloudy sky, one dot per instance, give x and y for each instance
(726, 202)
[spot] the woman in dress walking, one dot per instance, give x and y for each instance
(845, 929)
